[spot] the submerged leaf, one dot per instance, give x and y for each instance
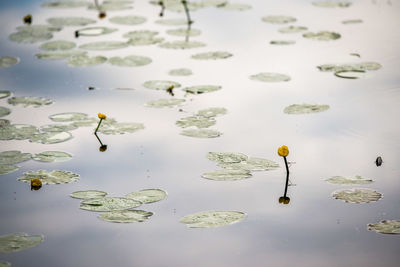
(128, 20)
(53, 177)
(52, 156)
(386, 227)
(165, 102)
(351, 180)
(270, 77)
(292, 29)
(278, 19)
(109, 204)
(88, 194)
(171, 22)
(19, 241)
(201, 133)
(33, 33)
(29, 101)
(282, 42)
(6, 62)
(212, 55)
(111, 126)
(130, 61)
(357, 195)
(305, 108)
(352, 21)
(13, 157)
(126, 216)
(142, 37)
(17, 132)
(70, 21)
(227, 175)
(148, 195)
(208, 219)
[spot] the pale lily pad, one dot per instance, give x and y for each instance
(292, 29)
(129, 61)
(57, 127)
(128, 20)
(161, 84)
(53, 177)
(70, 21)
(4, 122)
(165, 102)
(270, 77)
(5, 264)
(50, 137)
(350, 180)
(19, 241)
(352, 21)
(305, 108)
(88, 194)
(95, 31)
(212, 55)
(180, 72)
(52, 156)
(211, 112)
(184, 32)
(58, 45)
(60, 54)
(148, 195)
(68, 117)
(332, 4)
(207, 219)
(386, 227)
(213, 3)
(322, 35)
(29, 101)
(282, 42)
(182, 45)
(109, 204)
(110, 126)
(66, 4)
(200, 89)
(252, 164)
(126, 216)
(5, 168)
(227, 175)
(142, 37)
(226, 157)
(33, 33)
(197, 121)
(201, 133)
(6, 62)
(357, 195)
(176, 5)
(363, 66)
(112, 5)
(85, 123)
(351, 74)
(171, 22)
(17, 132)
(85, 61)
(104, 45)
(13, 157)
(278, 19)
(234, 6)
(4, 94)
(4, 111)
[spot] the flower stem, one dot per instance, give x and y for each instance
(98, 125)
(287, 176)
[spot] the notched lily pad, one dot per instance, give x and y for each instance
(161, 84)
(212, 55)
(130, 61)
(207, 219)
(252, 164)
(5, 168)
(196, 121)
(111, 126)
(165, 102)
(29, 101)
(182, 44)
(19, 241)
(227, 175)
(350, 180)
(201, 133)
(278, 19)
(53, 177)
(13, 157)
(386, 227)
(357, 195)
(58, 45)
(184, 32)
(70, 21)
(104, 45)
(4, 94)
(126, 216)
(226, 157)
(6, 62)
(332, 4)
(292, 29)
(109, 204)
(128, 20)
(85, 61)
(180, 72)
(4, 111)
(50, 137)
(200, 89)
(60, 54)
(270, 77)
(95, 31)
(148, 195)
(282, 42)
(305, 108)
(88, 194)
(322, 35)
(52, 156)
(211, 112)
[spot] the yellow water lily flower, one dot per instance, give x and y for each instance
(283, 151)
(101, 116)
(36, 184)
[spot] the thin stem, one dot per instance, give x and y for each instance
(101, 143)
(287, 176)
(161, 3)
(184, 3)
(98, 125)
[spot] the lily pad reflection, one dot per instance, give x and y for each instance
(270, 77)
(357, 195)
(70, 21)
(19, 241)
(305, 108)
(6, 62)
(130, 61)
(126, 216)
(278, 19)
(109, 204)
(200, 89)
(212, 55)
(6, 168)
(58, 45)
(386, 227)
(201, 133)
(148, 195)
(128, 20)
(13, 157)
(29, 101)
(227, 175)
(322, 36)
(165, 102)
(88, 194)
(350, 180)
(207, 219)
(53, 177)
(52, 156)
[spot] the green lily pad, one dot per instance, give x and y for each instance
(13, 157)
(200, 89)
(350, 180)
(88, 194)
(112, 6)
(58, 45)
(6, 62)
(282, 42)
(201, 133)
(128, 20)
(207, 219)
(165, 102)
(148, 195)
(52, 156)
(351, 74)
(184, 32)
(386, 227)
(104, 45)
(33, 33)
(292, 29)
(50, 137)
(161, 84)
(29, 101)
(322, 35)
(126, 216)
(278, 19)
(4, 122)
(252, 164)
(227, 175)
(226, 157)
(58, 127)
(109, 204)
(19, 241)
(305, 108)
(4, 94)
(95, 31)
(68, 117)
(211, 112)
(85, 123)
(180, 72)
(142, 37)
(212, 55)
(352, 21)
(60, 54)
(332, 4)
(130, 61)
(357, 195)
(171, 22)
(182, 45)
(5, 168)
(17, 132)
(363, 66)
(70, 21)
(234, 6)
(110, 126)
(85, 61)
(5, 264)
(197, 121)
(4, 111)
(270, 77)
(53, 177)
(65, 4)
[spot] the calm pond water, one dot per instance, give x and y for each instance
(314, 229)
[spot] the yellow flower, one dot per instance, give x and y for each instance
(283, 151)
(36, 184)
(101, 116)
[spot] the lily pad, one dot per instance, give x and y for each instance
(211, 112)
(85, 61)
(278, 19)
(351, 74)
(352, 21)
(65, 4)
(270, 77)
(13, 157)
(88, 194)
(180, 72)
(227, 175)
(104, 45)
(200, 89)
(226, 157)
(53, 177)
(201, 133)
(4, 94)
(29, 101)
(332, 4)
(292, 29)
(52, 156)
(85, 123)
(130, 61)
(4, 111)
(148, 195)
(165, 102)
(207, 219)
(184, 32)
(110, 126)
(305, 108)
(126, 216)
(161, 84)
(6, 62)
(17, 132)
(5, 264)
(112, 5)
(171, 22)
(5, 168)
(128, 20)
(4, 122)
(50, 137)
(282, 42)
(95, 31)
(60, 54)
(386, 227)
(212, 55)
(109, 204)
(350, 180)
(68, 117)
(363, 66)
(322, 35)
(357, 195)
(182, 45)
(197, 121)
(142, 37)
(234, 6)
(33, 33)
(19, 241)
(252, 164)
(57, 127)
(58, 45)
(70, 21)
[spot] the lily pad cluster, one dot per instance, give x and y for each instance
(207, 219)
(350, 70)
(18, 242)
(9, 158)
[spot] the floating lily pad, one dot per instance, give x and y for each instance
(17, 132)
(282, 42)
(68, 117)
(50, 137)
(5, 168)
(70, 21)
(182, 45)
(130, 61)
(292, 29)
(60, 54)
(161, 84)
(128, 20)
(332, 4)
(33, 33)
(58, 128)
(104, 45)
(109, 204)
(201, 133)
(180, 72)
(6, 62)
(351, 74)
(357, 195)
(213, 3)
(352, 21)
(19, 241)
(200, 89)
(165, 102)
(386, 227)
(142, 37)
(227, 175)
(211, 112)
(234, 6)
(29, 101)
(85, 123)
(4, 111)
(5, 264)
(95, 31)
(88, 194)
(4, 122)
(58, 45)
(126, 216)
(270, 77)
(226, 157)
(53, 177)
(85, 61)
(197, 121)
(252, 164)
(148, 195)
(110, 126)
(212, 55)
(363, 66)
(4, 94)
(171, 22)
(66, 4)
(207, 219)
(322, 35)
(52, 156)
(176, 5)
(278, 19)
(112, 6)
(184, 32)
(351, 180)
(305, 108)
(13, 157)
